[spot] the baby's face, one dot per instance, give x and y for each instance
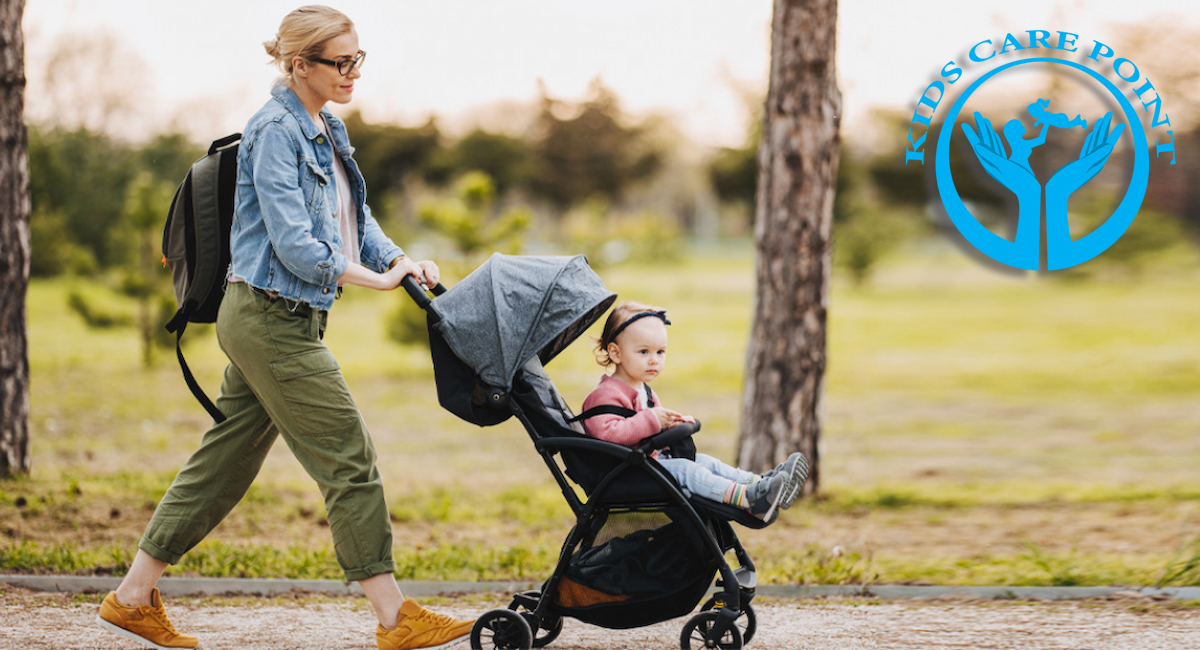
(642, 349)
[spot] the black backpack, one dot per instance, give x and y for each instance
(196, 246)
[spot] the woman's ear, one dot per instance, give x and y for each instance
(300, 66)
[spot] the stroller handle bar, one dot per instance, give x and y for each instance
(417, 291)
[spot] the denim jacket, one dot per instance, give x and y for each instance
(285, 235)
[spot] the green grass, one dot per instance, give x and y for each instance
(1011, 495)
(1033, 567)
(980, 429)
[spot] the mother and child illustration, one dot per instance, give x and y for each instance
(1014, 131)
(624, 409)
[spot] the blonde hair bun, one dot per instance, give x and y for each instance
(303, 34)
(272, 48)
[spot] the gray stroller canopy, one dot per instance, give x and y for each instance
(515, 306)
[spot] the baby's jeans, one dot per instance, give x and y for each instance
(706, 476)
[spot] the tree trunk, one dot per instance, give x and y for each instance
(14, 244)
(797, 171)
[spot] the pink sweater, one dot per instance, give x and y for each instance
(614, 428)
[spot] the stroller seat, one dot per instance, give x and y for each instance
(552, 418)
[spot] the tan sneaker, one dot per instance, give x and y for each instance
(418, 627)
(147, 625)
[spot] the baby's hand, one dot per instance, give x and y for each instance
(668, 418)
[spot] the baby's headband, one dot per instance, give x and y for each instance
(662, 315)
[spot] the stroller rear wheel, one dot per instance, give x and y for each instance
(501, 629)
(696, 632)
(747, 621)
(545, 629)
(543, 636)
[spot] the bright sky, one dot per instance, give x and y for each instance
(692, 59)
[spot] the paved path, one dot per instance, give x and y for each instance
(176, 586)
(32, 620)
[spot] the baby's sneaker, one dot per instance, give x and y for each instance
(767, 494)
(795, 468)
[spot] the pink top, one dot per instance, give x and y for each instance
(614, 428)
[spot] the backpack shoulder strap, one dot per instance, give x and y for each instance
(194, 385)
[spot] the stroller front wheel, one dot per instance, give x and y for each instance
(501, 629)
(747, 621)
(699, 628)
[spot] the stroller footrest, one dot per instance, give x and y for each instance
(746, 578)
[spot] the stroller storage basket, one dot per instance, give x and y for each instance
(634, 567)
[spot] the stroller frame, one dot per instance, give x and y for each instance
(539, 407)
(614, 478)
(738, 586)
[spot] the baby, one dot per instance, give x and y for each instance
(634, 345)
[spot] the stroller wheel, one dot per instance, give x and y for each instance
(543, 636)
(545, 630)
(747, 621)
(501, 629)
(695, 634)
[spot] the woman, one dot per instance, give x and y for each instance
(301, 231)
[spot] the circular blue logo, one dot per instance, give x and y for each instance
(1011, 169)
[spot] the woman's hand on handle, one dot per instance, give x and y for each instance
(425, 272)
(432, 275)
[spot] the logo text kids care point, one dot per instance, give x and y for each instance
(1060, 52)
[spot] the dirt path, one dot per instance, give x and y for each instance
(31, 620)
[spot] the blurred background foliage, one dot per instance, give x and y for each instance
(581, 176)
(1075, 396)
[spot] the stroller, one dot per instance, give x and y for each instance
(642, 550)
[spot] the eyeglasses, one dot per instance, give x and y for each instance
(345, 65)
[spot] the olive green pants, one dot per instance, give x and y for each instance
(281, 379)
